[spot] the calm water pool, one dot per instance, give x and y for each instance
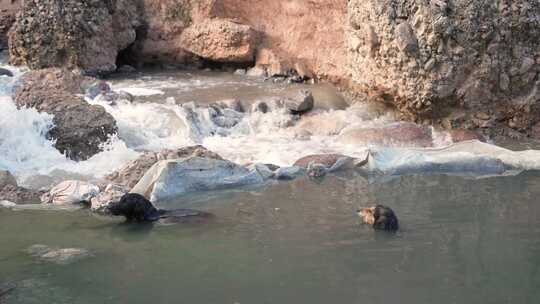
(462, 241)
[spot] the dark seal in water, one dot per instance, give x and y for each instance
(135, 207)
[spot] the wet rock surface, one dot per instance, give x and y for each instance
(131, 173)
(19, 195)
(73, 34)
(10, 191)
(299, 102)
(395, 135)
(168, 179)
(80, 129)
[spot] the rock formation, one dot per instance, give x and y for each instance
(221, 40)
(459, 63)
(79, 129)
(130, 174)
(10, 191)
(8, 10)
(86, 34)
(168, 179)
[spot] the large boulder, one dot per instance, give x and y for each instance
(221, 40)
(130, 174)
(431, 58)
(86, 34)
(168, 179)
(79, 129)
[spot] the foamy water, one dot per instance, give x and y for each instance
(158, 122)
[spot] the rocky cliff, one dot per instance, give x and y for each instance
(457, 63)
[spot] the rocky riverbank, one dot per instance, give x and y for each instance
(457, 64)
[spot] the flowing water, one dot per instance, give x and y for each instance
(461, 240)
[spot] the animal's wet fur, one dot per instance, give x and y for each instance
(135, 207)
(380, 217)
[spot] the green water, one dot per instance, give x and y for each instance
(462, 241)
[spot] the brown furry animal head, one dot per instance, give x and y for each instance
(380, 217)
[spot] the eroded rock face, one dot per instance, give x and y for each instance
(86, 34)
(303, 35)
(79, 129)
(8, 11)
(164, 22)
(221, 40)
(131, 173)
(429, 58)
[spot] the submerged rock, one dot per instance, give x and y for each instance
(168, 179)
(62, 256)
(460, 135)
(97, 88)
(220, 40)
(318, 165)
(130, 174)
(395, 135)
(70, 193)
(299, 102)
(266, 171)
(80, 129)
(114, 98)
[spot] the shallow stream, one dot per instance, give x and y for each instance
(461, 240)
